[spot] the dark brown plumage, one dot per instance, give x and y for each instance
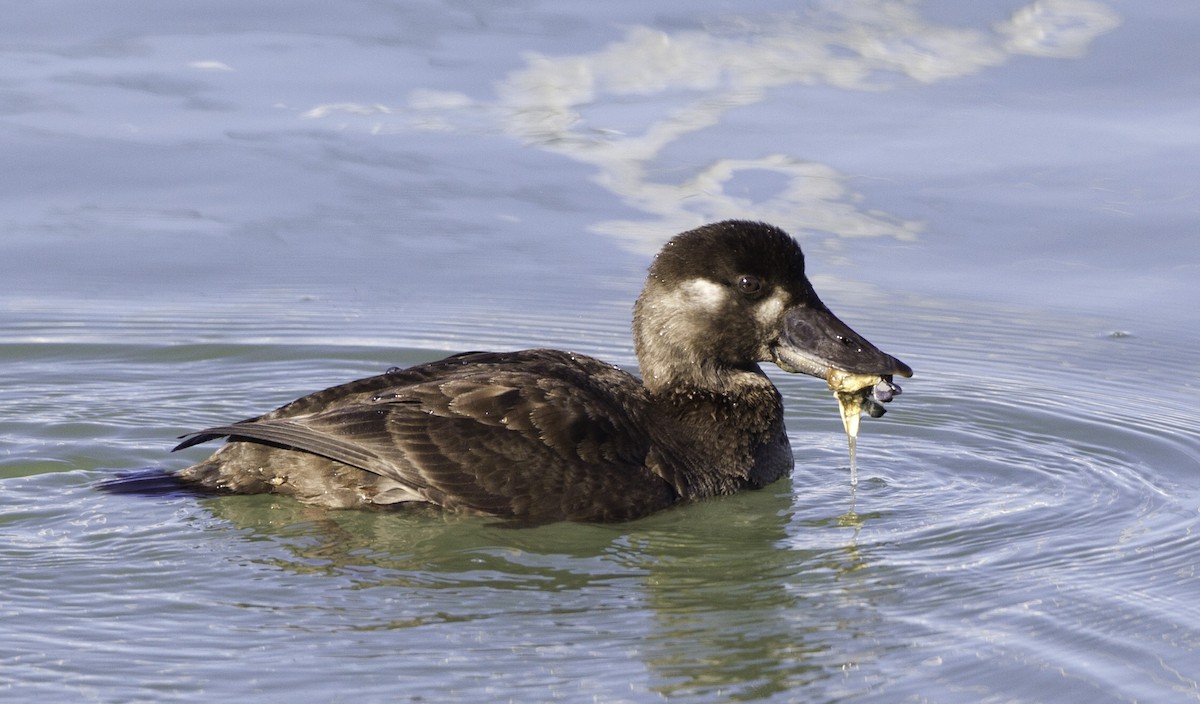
(541, 435)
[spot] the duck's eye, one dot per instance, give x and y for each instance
(749, 285)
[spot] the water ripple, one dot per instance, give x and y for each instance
(1013, 511)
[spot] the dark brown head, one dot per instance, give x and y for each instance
(733, 294)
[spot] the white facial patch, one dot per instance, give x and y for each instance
(685, 314)
(704, 293)
(770, 308)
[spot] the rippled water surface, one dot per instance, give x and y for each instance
(209, 212)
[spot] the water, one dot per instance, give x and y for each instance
(206, 214)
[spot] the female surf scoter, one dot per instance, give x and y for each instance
(544, 435)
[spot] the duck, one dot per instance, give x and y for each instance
(544, 435)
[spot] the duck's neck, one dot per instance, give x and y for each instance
(736, 437)
(724, 420)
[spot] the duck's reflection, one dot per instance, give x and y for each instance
(729, 596)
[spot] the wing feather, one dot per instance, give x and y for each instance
(564, 437)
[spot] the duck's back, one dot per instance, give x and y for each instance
(537, 435)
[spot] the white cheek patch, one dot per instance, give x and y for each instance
(704, 293)
(768, 310)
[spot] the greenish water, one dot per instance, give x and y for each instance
(1020, 531)
(205, 216)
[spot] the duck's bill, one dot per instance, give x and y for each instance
(813, 341)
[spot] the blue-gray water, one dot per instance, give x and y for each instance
(207, 210)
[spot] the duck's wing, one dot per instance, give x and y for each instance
(539, 443)
(366, 390)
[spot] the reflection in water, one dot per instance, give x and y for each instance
(751, 623)
(734, 607)
(1012, 526)
(666, 86)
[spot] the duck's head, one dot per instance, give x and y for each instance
(727, 296)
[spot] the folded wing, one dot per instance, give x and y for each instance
(489, 433)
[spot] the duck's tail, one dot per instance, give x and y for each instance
(149, 482)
